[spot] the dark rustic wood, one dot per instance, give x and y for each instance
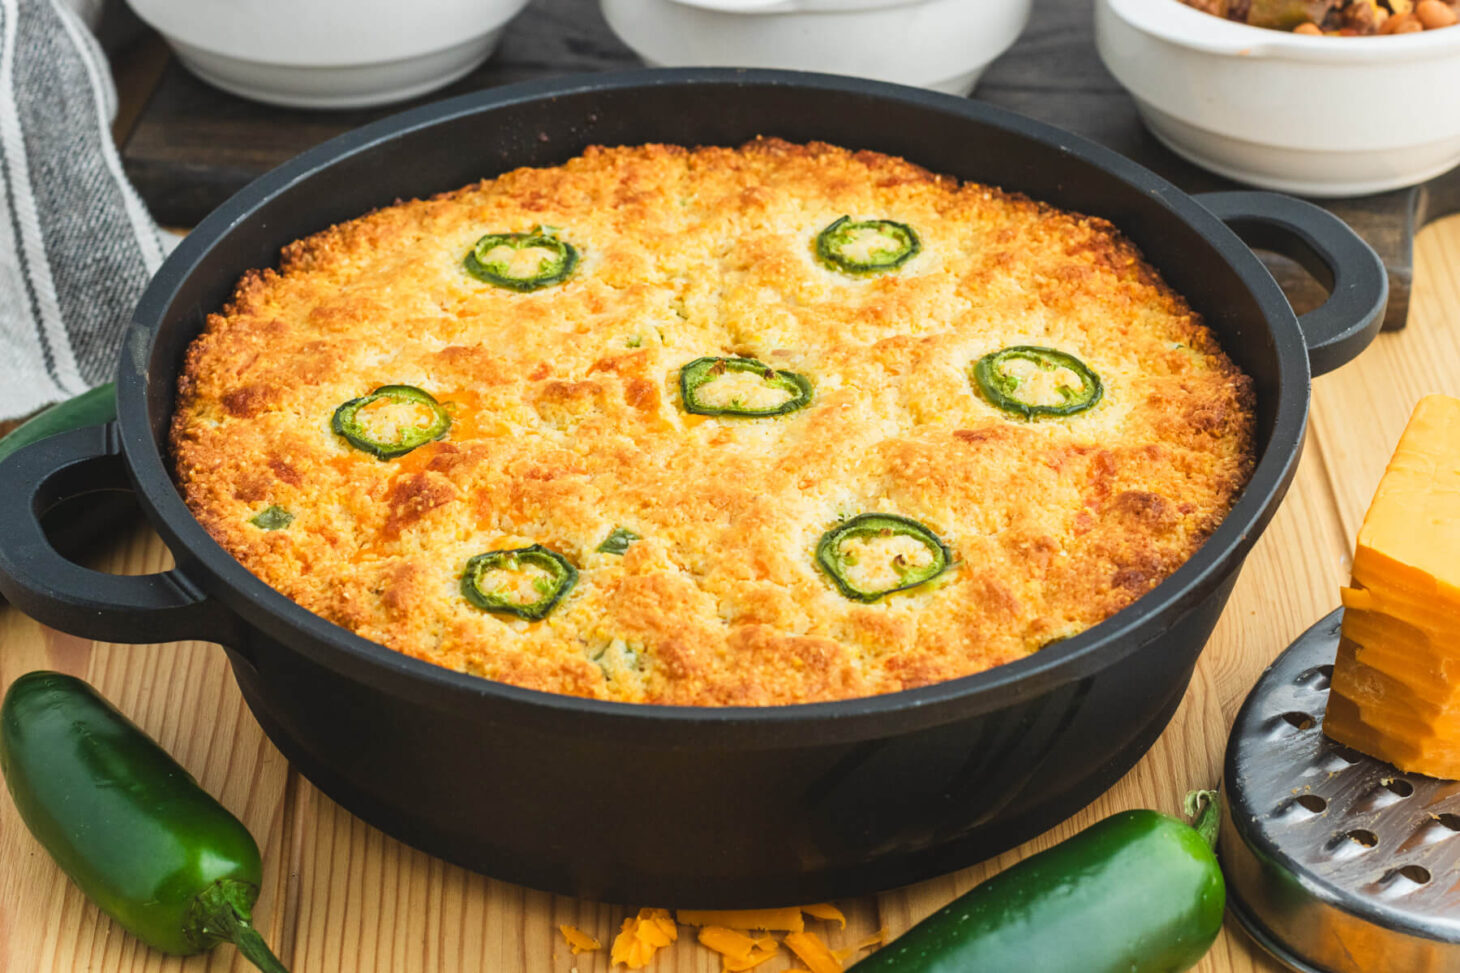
(193, 146)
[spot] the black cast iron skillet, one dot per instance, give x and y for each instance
(682, 805)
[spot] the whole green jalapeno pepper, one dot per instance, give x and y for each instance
(127, 823)
(1139, 892)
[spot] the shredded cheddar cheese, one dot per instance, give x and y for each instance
(809, 948)
(642, 936)
(579, 940)
(737, 950)
(825, 910)
(741, 937)
(787, 919)
(727, 942)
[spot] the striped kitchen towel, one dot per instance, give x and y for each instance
(76, 244)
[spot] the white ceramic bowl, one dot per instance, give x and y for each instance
(1321, 116)
(329, 53)
(940, 44)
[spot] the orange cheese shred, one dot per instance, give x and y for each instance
(810, 950)
(876, 939)
(757, 957)
(728, 942)
(788, 919)
(827, 911)
(642, 936)
(579, 940)
(737, 950)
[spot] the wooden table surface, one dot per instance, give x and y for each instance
(340, 897)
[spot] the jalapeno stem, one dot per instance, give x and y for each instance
(1206, 807)
(221, 914)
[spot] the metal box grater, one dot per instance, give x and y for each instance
(1335, 862)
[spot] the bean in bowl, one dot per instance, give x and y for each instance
(1337, 18)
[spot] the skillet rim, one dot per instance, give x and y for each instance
(261, 608)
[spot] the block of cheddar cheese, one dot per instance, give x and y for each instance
(1396, 681)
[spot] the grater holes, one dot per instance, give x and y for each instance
(1411, 875)
(1316, 679)
(1399, 882)
(1312, 802)
(1299, 720)
(1351, 844)
(1451, 821)
(1344, 753)
(1398, 785)
(1391, 791)
(1429, 831)
(1417, 874)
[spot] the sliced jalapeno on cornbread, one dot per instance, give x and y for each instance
(617, 541)
(522, 261)
(1031, 381)
(525, 581)
(872, 555)
(741, 387)
(391, 421)
(272, 518)
(867, 246)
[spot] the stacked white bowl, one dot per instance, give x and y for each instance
(1318, 115)
(940, 44)
(330, 53)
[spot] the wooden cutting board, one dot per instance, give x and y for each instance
(193, 146)
(340, 897)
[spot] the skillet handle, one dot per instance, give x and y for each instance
(36, 579)
(1358, 284)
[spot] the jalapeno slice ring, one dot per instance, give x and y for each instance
(1032, 381)
(353, 421)
(507, 259)
(910, 555)
(741, 387)
(867, 246)
(534, 579)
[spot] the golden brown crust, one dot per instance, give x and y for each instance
(566, 424)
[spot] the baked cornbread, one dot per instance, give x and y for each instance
(568, 418)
